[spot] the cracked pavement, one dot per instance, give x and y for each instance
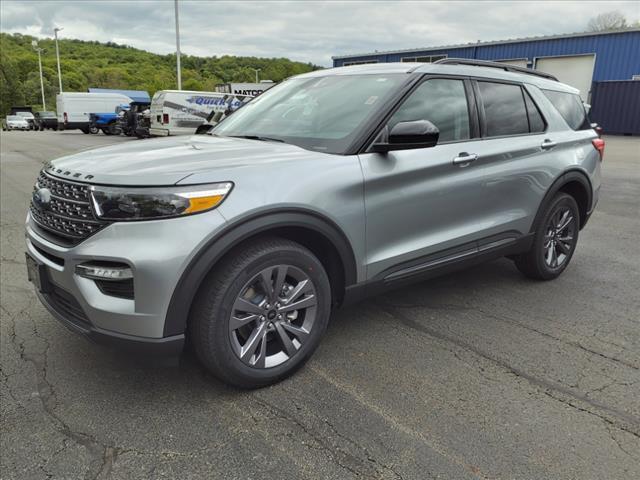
(479, 374)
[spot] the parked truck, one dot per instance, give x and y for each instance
(74, 108)
(182, 112)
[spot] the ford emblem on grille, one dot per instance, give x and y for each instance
(42, 198)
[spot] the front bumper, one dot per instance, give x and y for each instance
(157, 252)
(167, 346)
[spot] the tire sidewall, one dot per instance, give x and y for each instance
(221, 314)
(559, 201)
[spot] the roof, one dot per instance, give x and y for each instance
(139, 96)
(493, 42)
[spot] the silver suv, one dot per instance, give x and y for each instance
(329, 187)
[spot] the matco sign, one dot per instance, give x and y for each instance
(250, 89)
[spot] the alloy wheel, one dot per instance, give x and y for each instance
(559, 239)
(272, 316)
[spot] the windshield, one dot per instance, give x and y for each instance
(47, 114)
(25, 114)
(319, 113)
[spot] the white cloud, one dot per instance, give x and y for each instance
(308, 31)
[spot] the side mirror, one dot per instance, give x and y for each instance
(409, 135)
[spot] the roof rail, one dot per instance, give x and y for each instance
(503, 66)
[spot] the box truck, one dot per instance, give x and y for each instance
(74, 108)
(181, 112)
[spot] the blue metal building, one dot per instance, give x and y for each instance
(577, 59)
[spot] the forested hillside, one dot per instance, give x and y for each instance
(94, 64)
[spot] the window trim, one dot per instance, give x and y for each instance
(482, 113)
(473, 123)
(525, 91)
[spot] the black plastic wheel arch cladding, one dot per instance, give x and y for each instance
(563, 180)
(202, 263)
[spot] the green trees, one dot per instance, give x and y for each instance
(109, 65)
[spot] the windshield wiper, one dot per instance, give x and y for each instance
(258, 137)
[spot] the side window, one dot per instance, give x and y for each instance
(570, 107)
(536, 122)
(504, 109)
(441, 101)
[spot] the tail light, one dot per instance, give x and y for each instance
(598, 144)
(165, 118)
(66, 117)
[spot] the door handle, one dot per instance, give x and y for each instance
(547, 144)
(463, 159)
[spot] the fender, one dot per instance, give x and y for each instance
(566, 177)
(219, 245)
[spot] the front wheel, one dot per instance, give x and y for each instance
(554, 241)
(93, 130)
(261, 313)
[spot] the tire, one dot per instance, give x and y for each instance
(552, 240)
(94, 130)
(236, 282)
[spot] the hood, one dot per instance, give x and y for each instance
(166, 161)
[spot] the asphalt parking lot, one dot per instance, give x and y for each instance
(479, 374)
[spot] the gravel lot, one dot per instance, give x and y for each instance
(479, 374)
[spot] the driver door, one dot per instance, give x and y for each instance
(427, 201)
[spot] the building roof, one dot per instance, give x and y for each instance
(493, 42)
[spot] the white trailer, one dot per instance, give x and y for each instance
(181, 112)
(74, 108)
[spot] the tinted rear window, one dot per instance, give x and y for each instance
(504, 109)
(570, 107)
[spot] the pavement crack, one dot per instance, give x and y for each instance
(621, 420)
(103, 455)
(342, 458)
(600, 354)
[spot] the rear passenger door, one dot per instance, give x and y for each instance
(515, 157)
(426, 204)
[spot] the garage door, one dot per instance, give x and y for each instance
(518, 62)
(576, 71)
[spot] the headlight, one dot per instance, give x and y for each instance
(115, 203)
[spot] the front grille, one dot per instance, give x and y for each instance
(68, 216)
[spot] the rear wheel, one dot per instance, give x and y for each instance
(261, 314)
(555, 240)
(93, 129)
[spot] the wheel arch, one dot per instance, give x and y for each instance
(312, 230)
(575, 183)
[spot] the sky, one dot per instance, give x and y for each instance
(307, 31)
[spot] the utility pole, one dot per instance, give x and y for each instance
(55, 33)
(34, 44)
(256, 70)
(178, 47)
